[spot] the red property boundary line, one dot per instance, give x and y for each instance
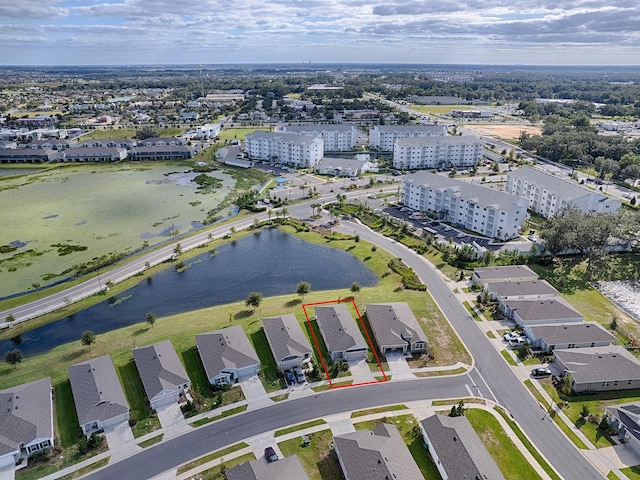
(317, 345)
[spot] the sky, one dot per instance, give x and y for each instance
(134, 32)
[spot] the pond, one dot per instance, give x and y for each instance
(270, 261)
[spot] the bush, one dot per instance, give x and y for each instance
(410, 280)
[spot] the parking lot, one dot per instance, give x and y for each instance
(442, 230)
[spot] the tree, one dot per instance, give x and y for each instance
(284, 213)
(614, 324)
(177, 250)
(10, 318)
(13, 357)
(584, 412)
(88, 337)
(145, 132)
(254, 300)
(151, 318)
(566, 384)
(355, 288)
(302, 289)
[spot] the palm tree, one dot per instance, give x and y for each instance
(284, 212)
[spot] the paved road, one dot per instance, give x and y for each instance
(503, 384)
(166, 455)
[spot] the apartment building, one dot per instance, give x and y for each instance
(416, 153)
(337, 138)
(299, 151)
(549, 194)
(383, 137)
(476, 208)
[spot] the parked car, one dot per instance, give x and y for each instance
(541, 372)
(518, 342)
(270, 454)
(299, 375)
(510, 336)
(289, 377)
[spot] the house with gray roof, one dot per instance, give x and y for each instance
(161, 152)
(396, 328)
(341, 334)
(342, 167)
(625, 419)
(288, 343)
(288, 468)
(545, 311)
(456, 449)
(227, 355)
(571, 335)
(163, 376)
(378, 454)
(480, 209)
(26, 420)
(599, 369)
(98, 396)
(94, 154)
(549, 194)
(507, 273)
(526, 290)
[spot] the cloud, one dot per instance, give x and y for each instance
(29, 9)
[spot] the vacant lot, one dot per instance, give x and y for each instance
(68, 216)
(507, 132)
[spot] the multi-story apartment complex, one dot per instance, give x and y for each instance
(383, 137)
(337, 138)
(482, 210)
(300, 151)
(548, 194)
(436, 152)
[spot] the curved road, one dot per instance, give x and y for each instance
(491, 377)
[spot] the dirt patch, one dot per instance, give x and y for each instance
(504, 131)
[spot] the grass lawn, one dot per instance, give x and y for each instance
(152, 441)
(217, 473)
(128, 133)
(507, 356)
(68, 428)
(145, 420)
(510, 461)
(562, 425)
(440, 109)
(595, 403)
(408, 428)
(633, 473)
(302, 426)
(271, 377)
(318, 458)
(226, 413)
(370, 411)
(212, 456)
(238, 133)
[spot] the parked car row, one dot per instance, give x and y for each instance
(294, 376)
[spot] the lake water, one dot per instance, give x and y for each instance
(269, 261)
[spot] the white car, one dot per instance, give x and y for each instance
(509, 336)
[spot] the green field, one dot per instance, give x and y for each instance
(510, 461)
(237, 133)
(109, 209)
(127, 133)
(440, 109)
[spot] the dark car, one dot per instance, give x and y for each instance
(541, 372)
(288, 375)
(270, 454)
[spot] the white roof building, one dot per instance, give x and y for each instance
(383, 137)
(436, 152)
(300, 151)
(548, 194)
(476, 208)
(336, 137)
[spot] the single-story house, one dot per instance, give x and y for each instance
(540, 312)
(342, 167)
(288, 468)
(163, 376)
(376, 454)
(507, 273)
(341, 335)
(26, 420)
(571, 335)
(98, 396)
(625, 419)
(227, 355)
(456, 449)
(396, 328)
(599, 368)
(288, 343)
(525, 290)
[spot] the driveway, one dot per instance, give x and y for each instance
(254, 392)
(172, 421)
(7, 472)
(398, 366)
(360, 371)
(121, 442)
